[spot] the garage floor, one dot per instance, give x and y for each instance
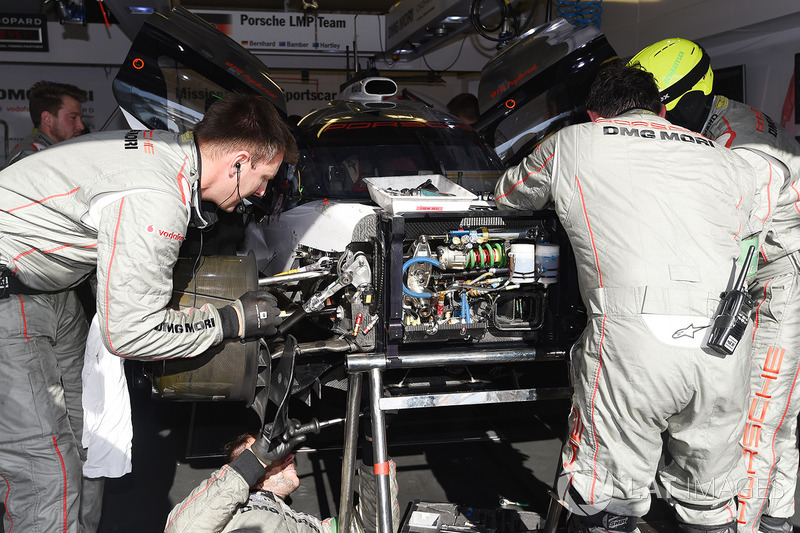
(474, 455)
(471, 455)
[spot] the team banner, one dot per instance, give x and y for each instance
(300, 32)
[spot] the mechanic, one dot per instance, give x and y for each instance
(57, 115)
(465, 107)
(248, 494)
(120, 203)
(655, 215)
(683, 72)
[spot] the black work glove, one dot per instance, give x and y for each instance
(268, 451)
(258, 311)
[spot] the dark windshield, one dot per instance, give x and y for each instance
(336, 157)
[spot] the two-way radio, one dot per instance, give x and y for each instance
(731, 322)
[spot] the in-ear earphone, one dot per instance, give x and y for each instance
(238, 166)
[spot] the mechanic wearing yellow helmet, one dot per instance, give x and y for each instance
(683, 72)
(655, 215)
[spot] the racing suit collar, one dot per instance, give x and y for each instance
(203, 214)
(636, 110)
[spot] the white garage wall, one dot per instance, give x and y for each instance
(762, 35)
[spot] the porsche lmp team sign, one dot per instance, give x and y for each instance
(300, 32)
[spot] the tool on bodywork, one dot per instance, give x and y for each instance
(731, 322)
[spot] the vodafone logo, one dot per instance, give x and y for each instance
(174, 235)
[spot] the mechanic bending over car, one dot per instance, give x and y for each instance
(248, 493)
(120, 203)
(655, 215)
(683, 73)
(57, 115)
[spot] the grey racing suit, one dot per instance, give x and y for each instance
(117, 201)
(31, 144)
(655, 215)
(770, 436)
(225, 503)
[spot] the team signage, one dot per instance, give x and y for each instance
(300, 32)
(23, 32)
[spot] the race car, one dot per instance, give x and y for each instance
(383, 238)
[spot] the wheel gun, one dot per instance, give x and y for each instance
(731, 322)
(315, 426)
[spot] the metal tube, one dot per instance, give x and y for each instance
(553, 515)
(380, 453)
(291, 278)
(349, 459)
(391, 403)
(365, 362)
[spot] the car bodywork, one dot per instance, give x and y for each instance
(353, 277)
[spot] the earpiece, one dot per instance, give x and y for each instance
(238, 166)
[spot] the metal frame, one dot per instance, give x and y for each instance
(374, 365)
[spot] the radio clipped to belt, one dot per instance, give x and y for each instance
(731, 321)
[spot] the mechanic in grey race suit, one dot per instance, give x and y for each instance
(56, 112)
(655, 215)
(120, 203)
(770, 435)
(248, 495)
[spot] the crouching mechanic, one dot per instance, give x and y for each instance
(683, 72)
(655, 215)
(248, 494)
(120, 203)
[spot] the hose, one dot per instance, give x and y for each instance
(414, 260)
(580, 13)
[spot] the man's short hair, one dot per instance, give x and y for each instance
(47, 95)
(246, 122)
(619, 88)
(464, 106)
(234, 448)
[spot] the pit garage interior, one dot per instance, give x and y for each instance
(481, 435)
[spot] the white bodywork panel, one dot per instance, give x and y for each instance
(321, 224)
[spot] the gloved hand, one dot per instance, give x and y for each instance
(257, 313)
(268, 451)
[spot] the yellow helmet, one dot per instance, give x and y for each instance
(679, 66)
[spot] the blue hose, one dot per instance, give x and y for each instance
(580, 13)
(430, 261)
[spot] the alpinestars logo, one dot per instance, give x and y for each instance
(688, 331)
(174, 235)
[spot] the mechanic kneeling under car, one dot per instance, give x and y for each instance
(248, 493)
(655, 214)
(120, 203)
